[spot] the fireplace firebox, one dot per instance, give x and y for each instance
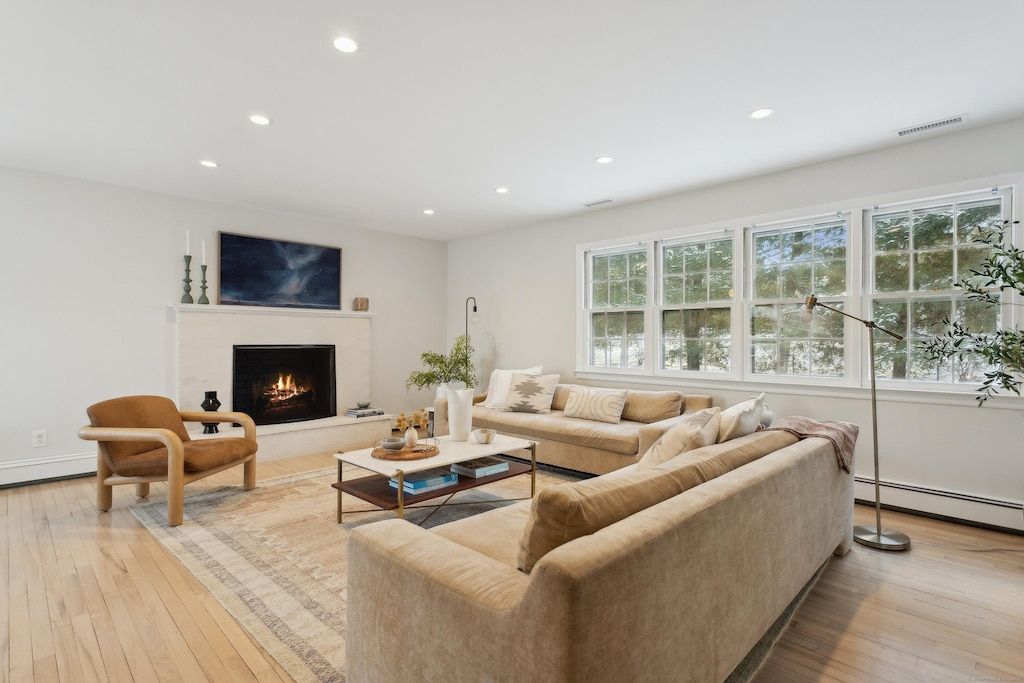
(284, 383)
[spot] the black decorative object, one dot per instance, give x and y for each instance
(210, 404)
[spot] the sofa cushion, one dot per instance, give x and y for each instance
(564, 512)
(651, 406)
(741, 419)
(531, 393)
(623, 438)
(696, 431)
(501, 382)
(590, 403)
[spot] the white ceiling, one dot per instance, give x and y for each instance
(448, 99)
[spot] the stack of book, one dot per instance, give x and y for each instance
(363, 412)
(480, 467)
(427, 480)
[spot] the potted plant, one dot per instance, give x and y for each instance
(455, 366)
(1002, 350)
(442, 370)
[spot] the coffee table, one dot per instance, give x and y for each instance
(375, 489)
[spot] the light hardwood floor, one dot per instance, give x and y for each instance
(89, 596)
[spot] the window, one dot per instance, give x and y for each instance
(917, 255)
(789, 264)
(695, 330)
(617, 287)
(727, 305)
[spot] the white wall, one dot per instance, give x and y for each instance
(525, 282)
(90, 269)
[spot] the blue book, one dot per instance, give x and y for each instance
(433, 477)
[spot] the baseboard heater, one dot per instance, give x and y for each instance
(962, 499)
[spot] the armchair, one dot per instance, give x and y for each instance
(142, 439)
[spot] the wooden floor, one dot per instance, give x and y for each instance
(87, 596)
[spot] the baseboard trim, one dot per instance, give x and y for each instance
(35, 470)
(954, 506)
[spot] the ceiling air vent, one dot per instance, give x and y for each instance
(599, 202)
(932, 126)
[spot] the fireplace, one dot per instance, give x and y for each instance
(284, 383)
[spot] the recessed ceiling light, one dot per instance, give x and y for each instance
(501, 190)
(604, 160)
(209, 164)
(429, 212)
(345, 44)
(260, 120)
(762, 113)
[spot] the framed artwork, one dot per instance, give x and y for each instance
(255, 271)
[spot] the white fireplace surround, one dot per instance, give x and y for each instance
(204, 338)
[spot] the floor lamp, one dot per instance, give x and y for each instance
(476, 316)
(871, 536)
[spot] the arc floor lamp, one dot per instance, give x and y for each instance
(872, 536)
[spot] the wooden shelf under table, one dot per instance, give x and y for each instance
(375, 488)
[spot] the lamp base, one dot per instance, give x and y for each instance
(889, 539)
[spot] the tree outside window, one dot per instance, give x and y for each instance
(918, 255)
(695, 335)
(789, 264)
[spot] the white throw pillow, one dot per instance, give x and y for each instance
(501, 382)
(602, 405)
(741, 419)
(700, 429)
(531, 393)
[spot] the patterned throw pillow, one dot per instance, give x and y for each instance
(531, 393)
(501, 382)
(602, 405)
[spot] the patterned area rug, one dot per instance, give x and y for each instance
(275, 557)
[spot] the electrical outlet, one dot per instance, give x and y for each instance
(39, 438)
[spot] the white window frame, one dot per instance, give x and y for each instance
(857, 300)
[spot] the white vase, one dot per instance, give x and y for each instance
(460, 413)
(412, 437)
(442, 390)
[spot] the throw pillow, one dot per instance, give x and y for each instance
(700, 429)
(741, 419)
(501, 382)
(652, 406)
(602, 405)
(531, 393)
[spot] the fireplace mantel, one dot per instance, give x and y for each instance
(268, 310)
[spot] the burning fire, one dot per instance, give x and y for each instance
(284, 389)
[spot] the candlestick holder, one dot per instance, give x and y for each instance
(203, 299)
(186, 298)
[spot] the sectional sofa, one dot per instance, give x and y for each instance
(666, 572)
(585, 445)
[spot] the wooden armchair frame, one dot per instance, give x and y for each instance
(176, 477)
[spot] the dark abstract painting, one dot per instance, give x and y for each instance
(262, 272)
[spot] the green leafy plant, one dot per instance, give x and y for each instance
(1003, 350)
(439, 368)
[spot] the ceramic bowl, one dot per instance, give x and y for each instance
(392, 444)
(363, 404)
(484, 435)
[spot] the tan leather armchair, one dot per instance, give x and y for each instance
(142, 439)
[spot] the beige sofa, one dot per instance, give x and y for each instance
(671, 586)
(586, 445)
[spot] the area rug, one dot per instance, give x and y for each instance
(275, 557)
